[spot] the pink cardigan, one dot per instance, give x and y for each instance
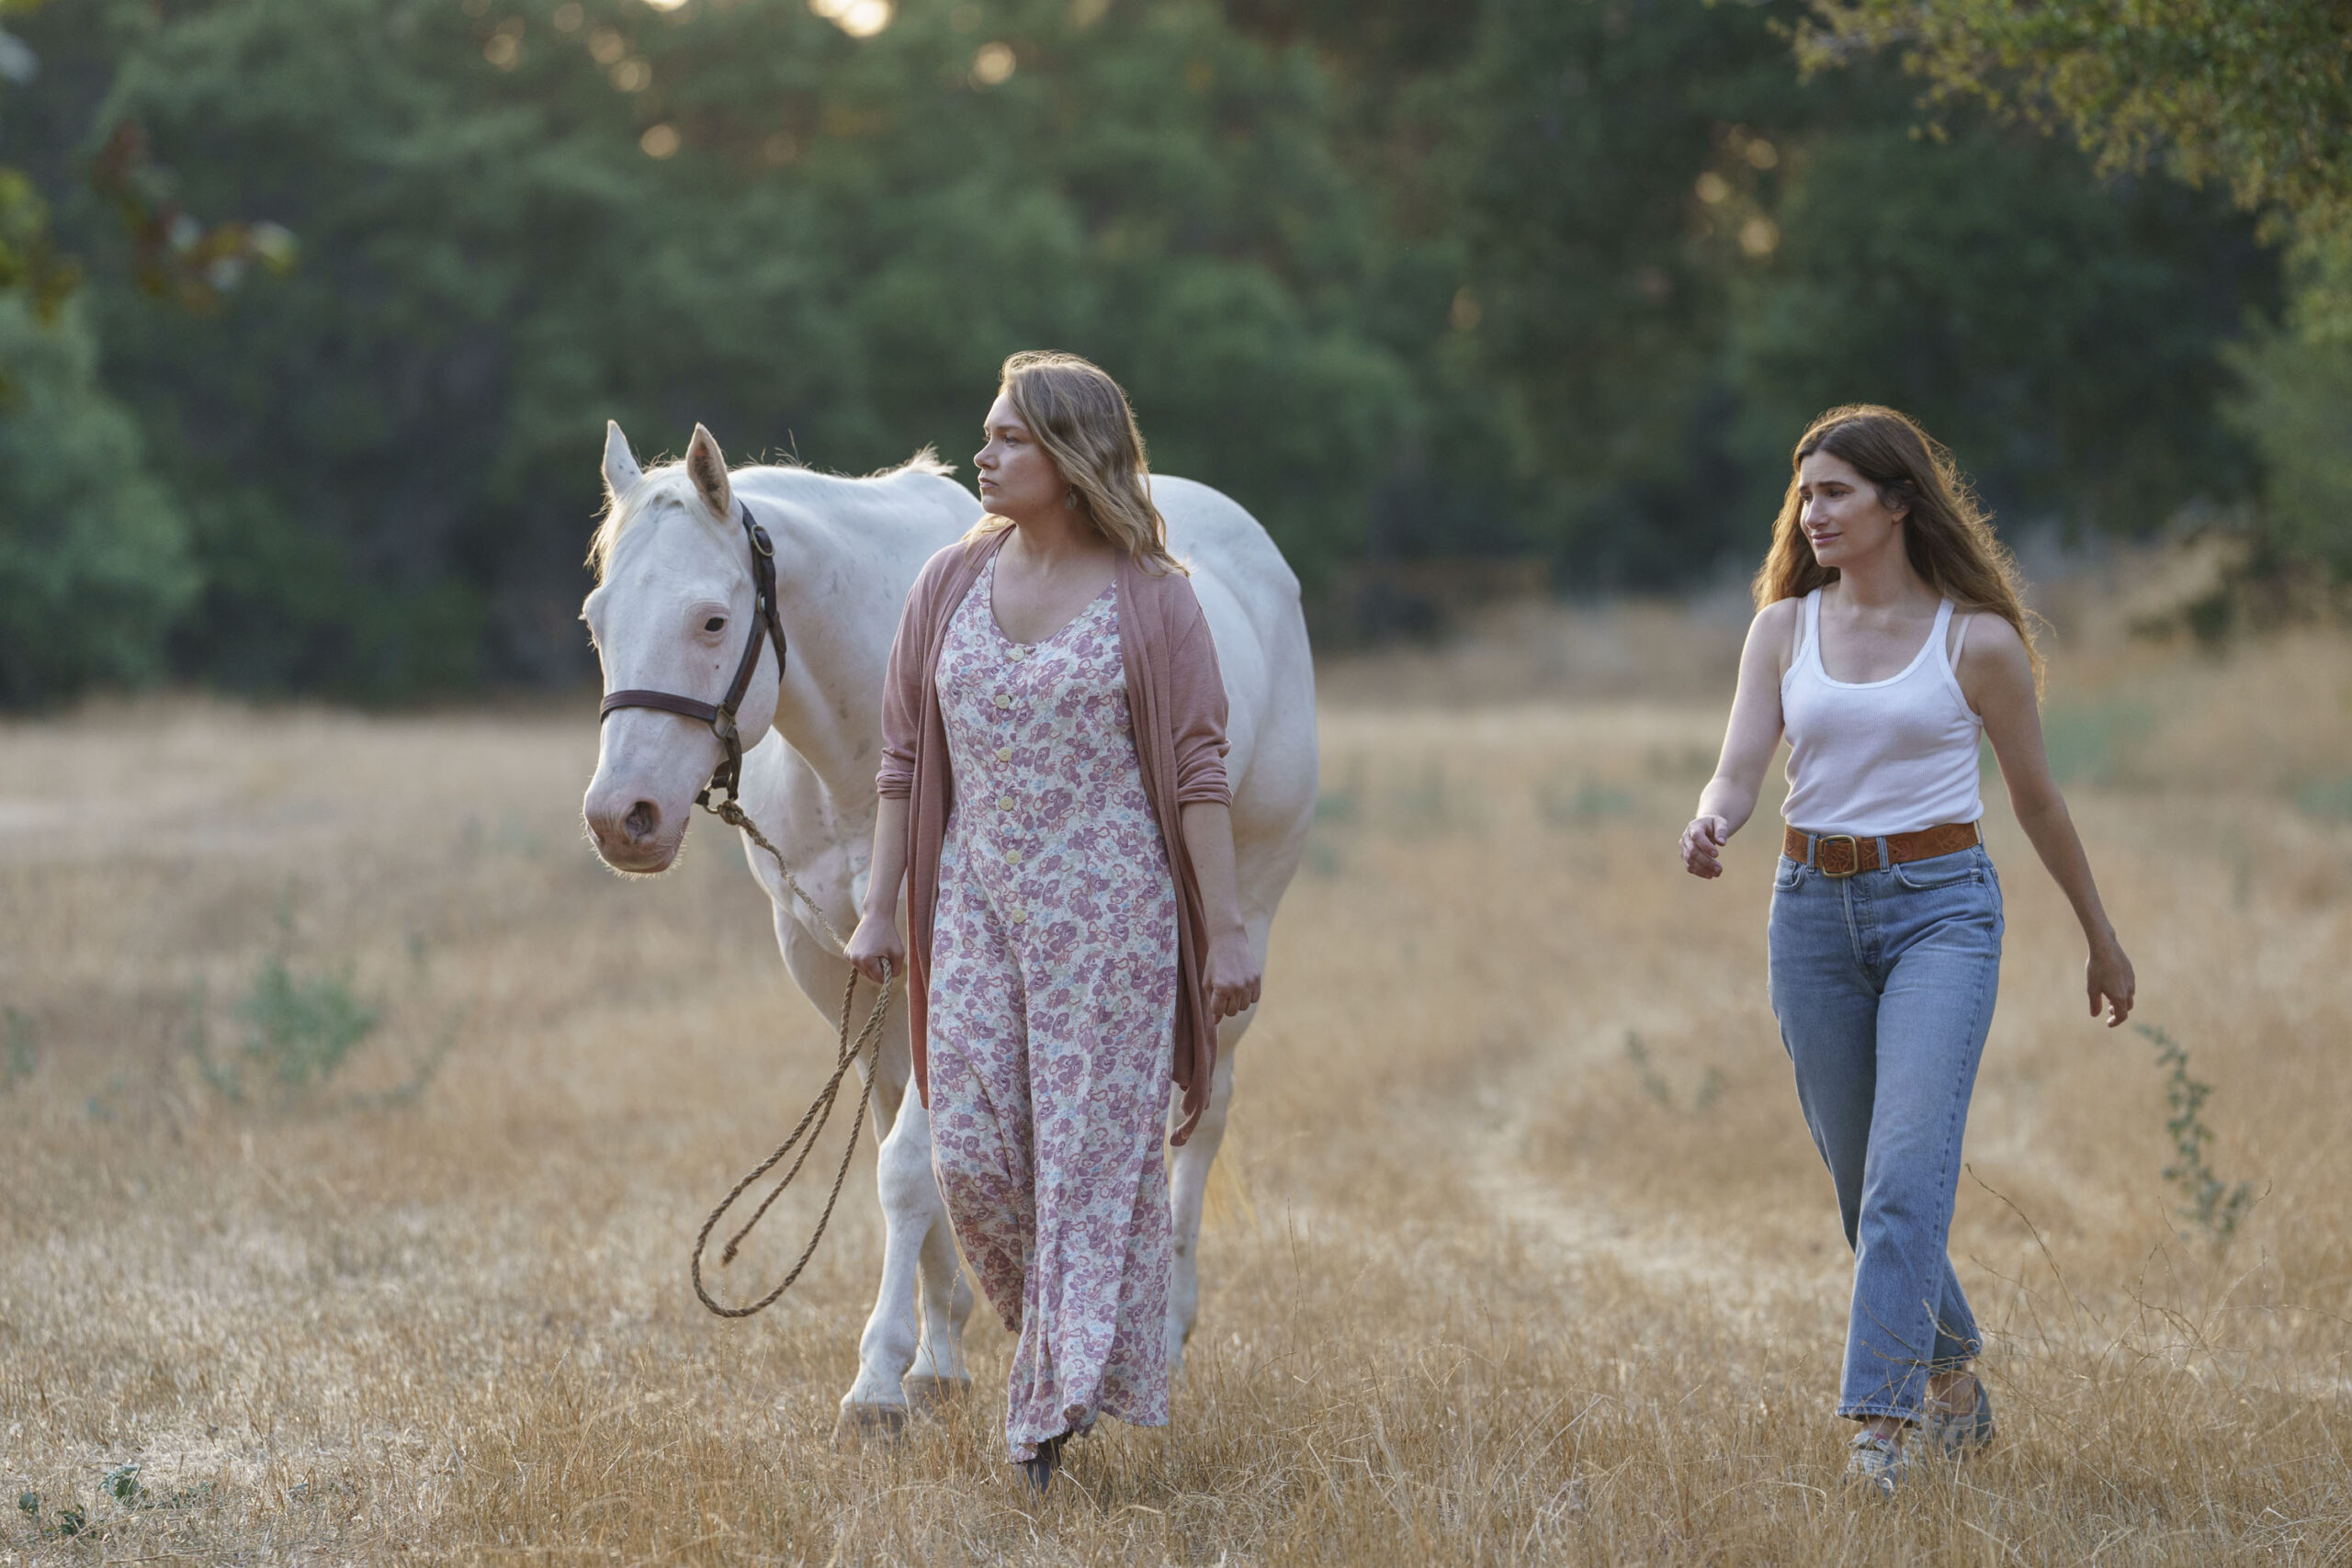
(1176, 698)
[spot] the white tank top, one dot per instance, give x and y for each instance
(1879, 757)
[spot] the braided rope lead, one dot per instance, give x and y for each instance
(812, 1121)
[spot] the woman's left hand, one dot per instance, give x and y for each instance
(2109, 979)
(1232, 976)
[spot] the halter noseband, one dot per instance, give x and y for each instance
(729, 775)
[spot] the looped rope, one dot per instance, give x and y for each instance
(813, 1122)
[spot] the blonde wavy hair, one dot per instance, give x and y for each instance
(1081, 416)
(1947, 534)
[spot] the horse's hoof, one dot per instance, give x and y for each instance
(869, 1426)
(933, 1397)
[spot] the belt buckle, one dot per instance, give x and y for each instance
(1852, 857)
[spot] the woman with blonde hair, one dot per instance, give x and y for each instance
(1055, 802)
(1890, 636)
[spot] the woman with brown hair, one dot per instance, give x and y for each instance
(1055, 801)
(1890, 636)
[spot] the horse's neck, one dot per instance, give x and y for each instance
(839, 589)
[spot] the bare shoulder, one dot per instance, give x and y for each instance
(1994, 666)
(1779, 617)
(1991, 638)
(1772, 634)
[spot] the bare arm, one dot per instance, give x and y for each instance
(876, 937)
(1749, 739)
(1997, 677)
(1231, 970)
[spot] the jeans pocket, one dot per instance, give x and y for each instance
(1785, 874)
(1944, 871)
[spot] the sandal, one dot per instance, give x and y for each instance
(1877, 1463)
(1958, 1433)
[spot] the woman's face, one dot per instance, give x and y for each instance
(1017, 480)
(1840, 512)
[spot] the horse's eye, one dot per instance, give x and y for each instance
(717, 623)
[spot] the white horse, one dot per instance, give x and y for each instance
(674, 604)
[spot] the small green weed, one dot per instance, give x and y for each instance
(1426, 803)
(299, 1029)
(302, 1028)
(2215, 1206)
(1653, 1083)
(2329, 799)
(2086, 742)
(123, 1483)
(512, 835)
(71, 1519)
(1340, 808)
(1336, 811)
(129, 1493)
(23, 1055)
(1587, 803)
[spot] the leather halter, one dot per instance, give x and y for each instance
(729, 775)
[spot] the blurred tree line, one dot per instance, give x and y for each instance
(1549, 277)
(2250, 95)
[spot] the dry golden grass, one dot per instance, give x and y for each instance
(1480, 1287)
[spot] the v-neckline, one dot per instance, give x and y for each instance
(989, 592)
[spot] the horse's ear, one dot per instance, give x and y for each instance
(707, 467)
(620, 464)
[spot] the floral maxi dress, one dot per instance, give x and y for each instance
(1052, 1017)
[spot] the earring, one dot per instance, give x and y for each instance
(1070, 500)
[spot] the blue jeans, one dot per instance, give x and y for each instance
(1884, 985)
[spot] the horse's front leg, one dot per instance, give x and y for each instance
(1188, 1180)
(875, 1405)
(938, 1376)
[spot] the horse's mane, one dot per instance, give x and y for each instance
(670, 481)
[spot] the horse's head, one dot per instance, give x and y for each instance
(673, 604)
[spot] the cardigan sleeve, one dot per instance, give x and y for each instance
(1196, 705)
(903, 686)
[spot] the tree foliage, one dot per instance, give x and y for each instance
(520, 220)
(2057, 330)
(1405, 278)
(2254, 95)
(94, 554)
(1678, 252)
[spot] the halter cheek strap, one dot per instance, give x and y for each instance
(720, 717)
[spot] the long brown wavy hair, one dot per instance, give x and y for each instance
(1081, 416)
(1947, 534)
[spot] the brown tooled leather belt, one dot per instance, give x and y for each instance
(1842, 854)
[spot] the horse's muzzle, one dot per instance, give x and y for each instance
(631, 835)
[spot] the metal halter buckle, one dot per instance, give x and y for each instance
(1852, 857)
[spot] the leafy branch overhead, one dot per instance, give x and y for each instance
(2255, 93)
(176, 255)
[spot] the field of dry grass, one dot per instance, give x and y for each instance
(1518, 1252)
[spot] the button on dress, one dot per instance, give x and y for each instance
(1053, 998)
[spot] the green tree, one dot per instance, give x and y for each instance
(2251, 93)
(1676, 252)
(520, 218)
(1407, 279)
(2296, 409)
(93, 559)
(2254, 95)
(2057, 330)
